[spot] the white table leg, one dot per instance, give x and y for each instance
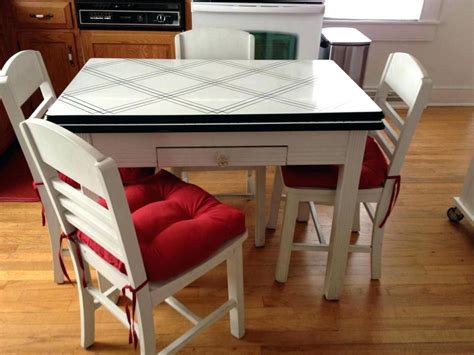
(260, 207)
(346, 196)
(276, 199)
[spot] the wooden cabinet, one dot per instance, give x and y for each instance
(42, 14)
(128, 44)
(59, 53)
(48, 27)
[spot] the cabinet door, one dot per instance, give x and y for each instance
(59, 54)
(128, 44)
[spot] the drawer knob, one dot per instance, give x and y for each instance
(222, 160)
(42, 16)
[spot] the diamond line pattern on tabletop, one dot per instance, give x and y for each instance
(206, 86)
(159, 91)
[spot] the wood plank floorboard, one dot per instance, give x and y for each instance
(424, 302)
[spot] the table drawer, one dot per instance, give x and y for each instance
(43, 14)
(221, 156)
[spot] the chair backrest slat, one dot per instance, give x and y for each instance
(82, 200)
(384, 145)
(390, 113)
(53, 149)
(88, 222)
(85, 214)
(103, 238)
(215, 43)
(404, 75)
(390, 132)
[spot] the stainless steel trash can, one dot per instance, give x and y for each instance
(348, 47)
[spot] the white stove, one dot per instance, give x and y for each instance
(300, 18)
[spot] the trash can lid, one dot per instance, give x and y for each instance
(345, 36)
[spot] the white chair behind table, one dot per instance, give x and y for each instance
(53, 148)
(215, 43)
(219, 43)
(405, 76)
(22, 75)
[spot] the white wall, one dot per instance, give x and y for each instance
(449, 58)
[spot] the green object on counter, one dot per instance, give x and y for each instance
(274, 45)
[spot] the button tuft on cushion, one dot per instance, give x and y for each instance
(178, 225)
(373, 173)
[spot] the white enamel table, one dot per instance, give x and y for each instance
(186, 113)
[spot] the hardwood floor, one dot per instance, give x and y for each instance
(424, 301)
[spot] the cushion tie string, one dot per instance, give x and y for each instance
(132, 334)
(35, 186)
(78, 254)
(393, 198)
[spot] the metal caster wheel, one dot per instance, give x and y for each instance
(455, 215)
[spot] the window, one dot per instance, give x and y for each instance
(374, 9)
(386, 20)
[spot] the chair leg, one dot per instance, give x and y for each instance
(235, 282)
(86, 301)
(184, 176)
(303, 212)
(377, 234)
(356, 221)
(145, 324)
(178, 172)
(260, 205)
(250, 182)
(287, 235)
(275, 201)
(376, 253)
(54, 232)
(87, 318)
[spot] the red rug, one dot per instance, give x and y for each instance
(15, 177)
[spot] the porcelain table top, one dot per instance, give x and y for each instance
(149, 95)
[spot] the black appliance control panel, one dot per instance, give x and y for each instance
(138, 15)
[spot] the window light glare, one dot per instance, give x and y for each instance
(374, 9)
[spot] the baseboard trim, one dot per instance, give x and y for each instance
(441, 96)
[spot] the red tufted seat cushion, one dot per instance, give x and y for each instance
(373, 174)
(129, 176)
(178, 225)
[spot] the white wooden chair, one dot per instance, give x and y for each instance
(23, 74)
(214, 43)
(219, 43)
(405, 76)
(55, 149)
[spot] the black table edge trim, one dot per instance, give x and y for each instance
(220, 128)
(219, 119)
